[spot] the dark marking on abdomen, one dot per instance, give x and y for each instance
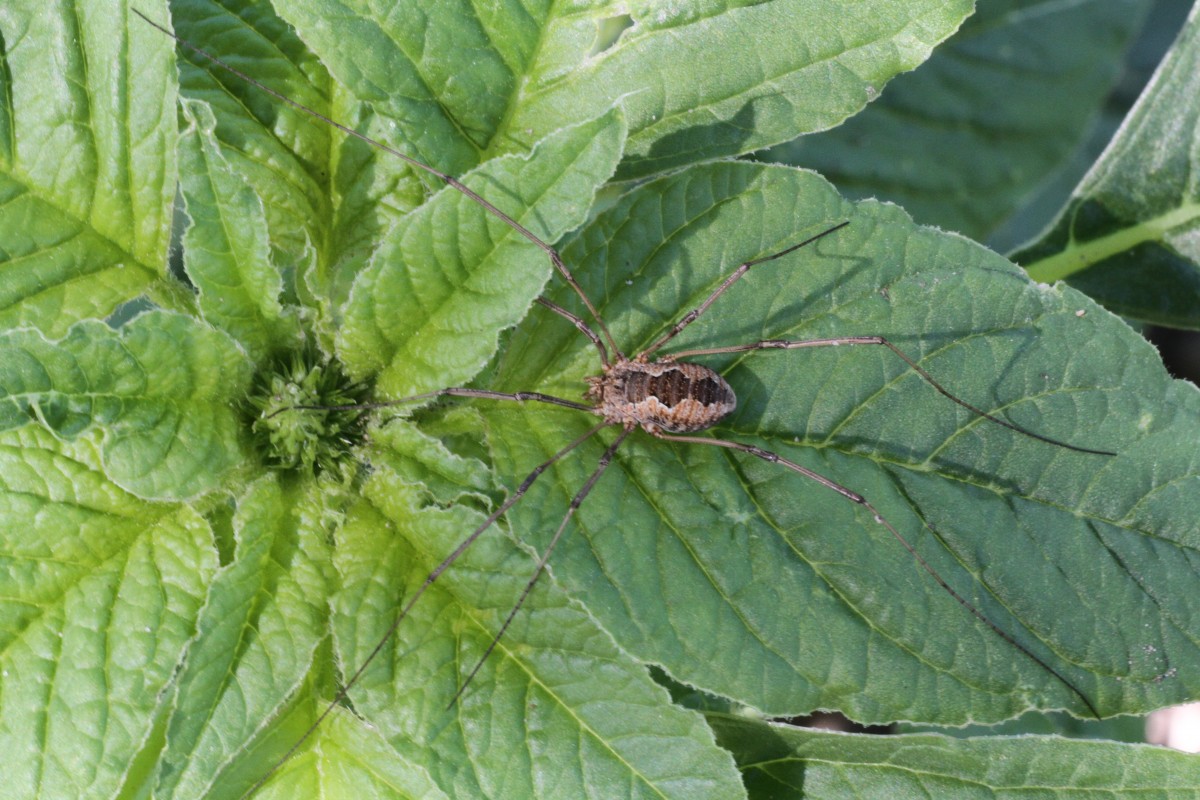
(672, 387)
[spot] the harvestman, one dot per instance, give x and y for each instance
(666, 397)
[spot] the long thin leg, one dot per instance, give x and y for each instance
(581, 326)
(855, 497)
(555, 258)
(691, 316)
(453, 391)
(576, 501)
(429, 580)
(785, 344)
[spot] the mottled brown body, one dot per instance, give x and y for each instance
(661, 396)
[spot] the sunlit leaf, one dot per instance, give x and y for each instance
(139, 505)
(86, 183)
(101, 592)
(156, 396)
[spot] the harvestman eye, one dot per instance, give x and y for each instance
(668, 397)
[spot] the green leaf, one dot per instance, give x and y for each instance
(783, 761)
(1132, 729)
(349, 759)
(757, 73)
(968, 139)
(87, 174)
(561, 709)
(100, 595)
(155, 396)
(565, 713)
(754, 583)
(255, 638)
(328, 199)
(1127, 235)
(225, 247)
(428, 311)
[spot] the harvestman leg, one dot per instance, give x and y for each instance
(435, 574)
(855, 497)
(780, 344)
(686, 320)
(785, 344)
(576, 502)
(453, 391)
(582, 327)
(852, 496)
(694, 314)
(549, 250)
(459, 391)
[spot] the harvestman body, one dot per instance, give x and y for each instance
(662, 395)
(668, 398)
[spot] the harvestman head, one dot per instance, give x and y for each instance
(667, 397)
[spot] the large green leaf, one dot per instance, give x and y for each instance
(156, 396)
(971, 137)
(757, 584)
(427, 313)
(225, 245)
(87, 172)
(255, 637)
(756, 73)
(471, 85)
(556, 711)
(349, 759)
(327, 198)
(100, 595)
(780, 761)
(1127, 235)
(565, 713)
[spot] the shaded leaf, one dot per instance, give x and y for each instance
(782, 761)
(969, 138)
(1127, 236)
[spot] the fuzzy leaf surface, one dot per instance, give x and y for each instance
(426, 314)
(227, 256)
(565, 713)
(676, 541)
(101, 591)
(755, 70)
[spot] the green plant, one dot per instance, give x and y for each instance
(173, 565)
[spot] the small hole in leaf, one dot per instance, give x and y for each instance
(609, 32)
